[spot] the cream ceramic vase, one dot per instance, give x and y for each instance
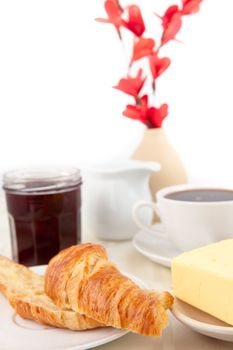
(156, 147)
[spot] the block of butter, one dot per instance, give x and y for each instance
(204, 278)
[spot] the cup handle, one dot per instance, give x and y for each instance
(137, 207)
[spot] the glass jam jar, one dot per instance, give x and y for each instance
(44, 208)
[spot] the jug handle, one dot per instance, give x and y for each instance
(148, 228)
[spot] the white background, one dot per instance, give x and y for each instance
(57, 67)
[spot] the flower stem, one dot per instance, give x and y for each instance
(119, 5)
(153, 86)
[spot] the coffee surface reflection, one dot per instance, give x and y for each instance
(202, 195)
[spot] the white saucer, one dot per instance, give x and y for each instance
(155, 245)
(201, 322)
(19, 334)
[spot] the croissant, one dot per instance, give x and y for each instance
(82, 278)
(24, 290)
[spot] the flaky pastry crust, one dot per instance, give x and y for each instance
(24, 290)
(82, 278)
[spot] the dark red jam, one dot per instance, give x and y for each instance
(43, 223)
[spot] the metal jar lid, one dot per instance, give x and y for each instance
(41, 179)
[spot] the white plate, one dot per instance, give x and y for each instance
(19, 334)
(155, 245)
(201, 322)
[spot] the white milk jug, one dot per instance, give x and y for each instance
(110, 191)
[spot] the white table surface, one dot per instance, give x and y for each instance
(176, 336)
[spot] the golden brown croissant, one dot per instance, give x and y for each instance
(82, 278)
(24, 290)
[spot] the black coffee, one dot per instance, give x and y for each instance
(202, 195)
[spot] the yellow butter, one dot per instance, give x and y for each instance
(204, 278)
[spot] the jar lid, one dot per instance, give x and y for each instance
(41, 179)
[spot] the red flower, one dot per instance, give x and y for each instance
(158, 65)
(138, 112)
(135, 21)
(142, 47)
(131, 86)
(156, 116)
(130, 18)
(171, 22)
(152, 117)
(190, 6)
(114, 12)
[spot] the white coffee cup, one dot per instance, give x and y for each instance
(190, 224)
